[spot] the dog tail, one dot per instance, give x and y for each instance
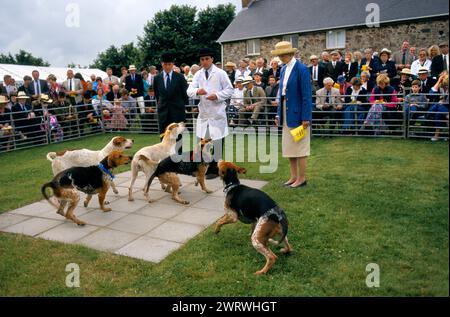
(149, 183)
(51, 156)
(284, 227)
(46, 196)
(147, 160)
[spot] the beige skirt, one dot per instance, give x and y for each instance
(290, 148)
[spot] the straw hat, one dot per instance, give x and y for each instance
(22, 95)
(240, 79)
(406, 71)
(423, 70)
(46, 99)
(282, 48)
(248, 80)
(313, 57)
(230, 64)
(132, 67)
(3, 100)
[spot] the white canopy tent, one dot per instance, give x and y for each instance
(19, 71)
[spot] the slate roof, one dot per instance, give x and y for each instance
(265, 18)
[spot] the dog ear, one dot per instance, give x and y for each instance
(242, 170)
(118, 141)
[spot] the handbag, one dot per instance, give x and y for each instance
(298, 133)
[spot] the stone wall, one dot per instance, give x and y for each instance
(419, 33)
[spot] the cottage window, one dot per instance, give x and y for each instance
(253, 47)
(293, 38)
(336, 39)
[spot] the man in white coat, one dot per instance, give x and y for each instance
(213, 87)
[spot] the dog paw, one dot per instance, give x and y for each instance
(286, 250)
(261, 272)
(185, 202)
(208, 191)
(217, 230)
(107, 209)
(115, 191)
(150, 201)
(130, 199)
(85, 204)
(81, 223)
(196, 184)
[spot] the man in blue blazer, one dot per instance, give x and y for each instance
(294, 109)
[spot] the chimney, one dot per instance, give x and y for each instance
(246, 3)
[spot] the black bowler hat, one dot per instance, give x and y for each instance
(206, 52)
(168, 58)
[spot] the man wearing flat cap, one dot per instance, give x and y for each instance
(170, 93)
(212, 85)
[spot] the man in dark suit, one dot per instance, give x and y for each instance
(37, 86)
(22, 114)
(170, 93)
(440, 62)
(113, 94)
(335, 67)
(135, 85)
(426, 83)
(317, 73)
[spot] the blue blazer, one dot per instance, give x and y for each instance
(298, 96)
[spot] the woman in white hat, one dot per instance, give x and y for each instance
(294, 110)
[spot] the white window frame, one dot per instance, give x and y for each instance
(332, 37)
(292, 38)
(253, 47)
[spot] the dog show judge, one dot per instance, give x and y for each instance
(213, 86)
(171, 94)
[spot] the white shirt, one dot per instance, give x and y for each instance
(287, 73)
(165, 77)
(212, 113)
(415, 66)
(237, 99)
(244, 73)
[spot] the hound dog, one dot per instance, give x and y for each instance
(90, 180)
(196, 165)
(148, 158)
(253, 206)
(84, 157)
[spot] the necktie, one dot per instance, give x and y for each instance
(206, 74)
(314, 73)
(23, 107)
(39, 87)
(132, 77)
(36, 87)
(404, 58)
(70, 84)
(167, 81)
(445, 62)
(328, 98)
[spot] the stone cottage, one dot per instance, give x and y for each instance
(345, 25)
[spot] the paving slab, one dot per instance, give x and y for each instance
(100, 218)
(198, 216)
(33, 226)
(149, 249)
(67, 232)
(106, 239)
(160, 210)
(175, 231)
(137, 224)
(9, 219)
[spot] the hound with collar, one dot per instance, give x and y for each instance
(90, 180)
(253, 206)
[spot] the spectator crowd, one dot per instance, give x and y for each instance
(353, 92)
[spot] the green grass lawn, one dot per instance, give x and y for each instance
(367, 201)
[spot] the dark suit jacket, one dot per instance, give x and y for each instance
(171, 103)
(44, 87)
(138, 84)
(3, 90)
(20, 116)
(110, 96)
(437, 66)
(389, 68)
(320, 75)
(353, 71)
(373, 64)
(277, 73)
(334, 72)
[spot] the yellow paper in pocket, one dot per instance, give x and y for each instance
(298, 133)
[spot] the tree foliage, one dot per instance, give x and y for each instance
(22, 58)
(115, 58)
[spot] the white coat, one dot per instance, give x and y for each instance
(212, 114)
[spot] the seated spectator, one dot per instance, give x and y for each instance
(271, 94)
(426, 82)
(350, 68)
(415, 101)
(356, 106)
(358, 60)
(101, 85)
(403, 83)
(236, 101)
(342, 85)
(257, 77)
(328, 100)
(129, 104)
(86, 114)
(439, 111)
(6, 129)
(371, 64)
(99, 101)
(66, 115)
(365, 81)
(148, 119)
(26, 87)
(23, 116)
(274, 68)
(50, 123)
(384, 105)
(113, 94)
(421, 62)
(243, 70)
(386, 66)
(254, 100)
(13, 100)
(230, 70)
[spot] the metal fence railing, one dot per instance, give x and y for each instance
(40, 124)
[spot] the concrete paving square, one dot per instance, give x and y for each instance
(138, 229)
